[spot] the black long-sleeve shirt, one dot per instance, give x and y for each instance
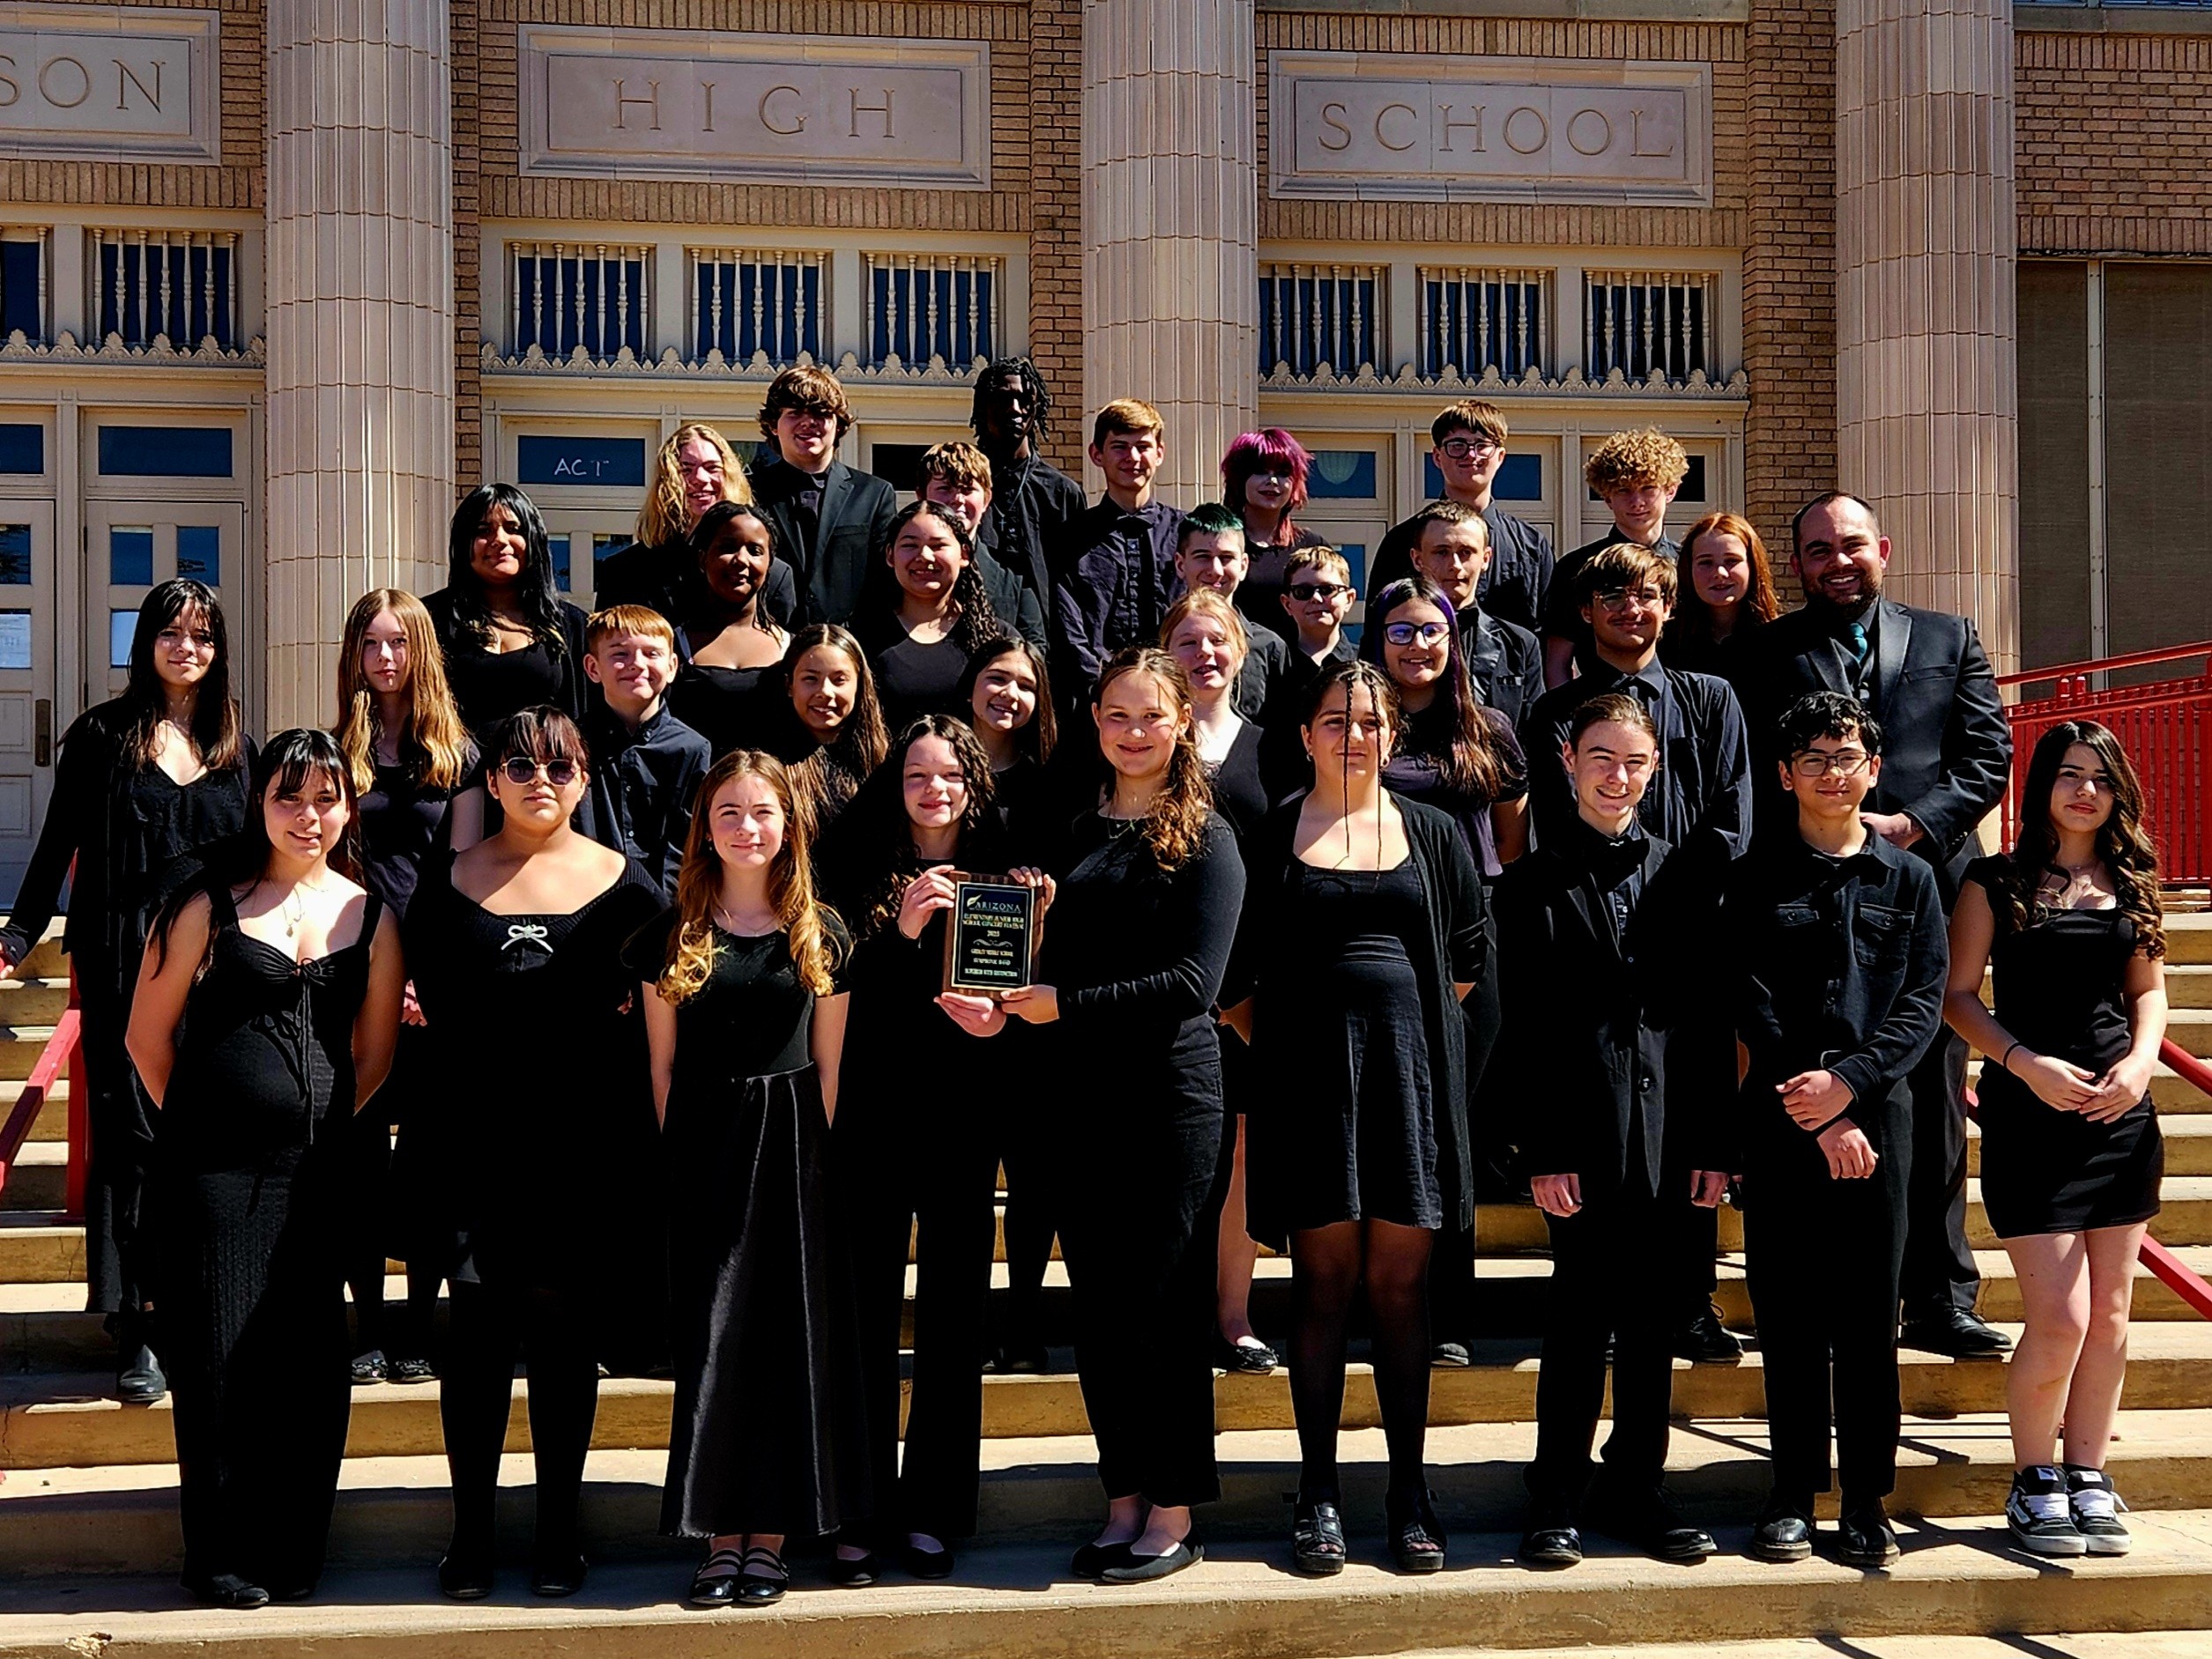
(1513, 588)
(642, 787)
(1113, 578)
(1031, 500)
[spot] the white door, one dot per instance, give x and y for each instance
(27, 719)
(577, 539)
(128, 547)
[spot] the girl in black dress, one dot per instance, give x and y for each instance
(408, 754)
(730, 646)
(510, 641)
(1131, 965)
(2070, 923)
(829, 729)
(516, 946)
(746, 1021)
(267, 1008)
(1727, 588)
(913, 1151)
(161, 772)
(922, 613)
(1366, 928)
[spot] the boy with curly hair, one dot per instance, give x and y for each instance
(1637, 474)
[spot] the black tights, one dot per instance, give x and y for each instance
(549, 1329)
(1329, 1266)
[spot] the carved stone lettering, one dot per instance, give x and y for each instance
(145, 91)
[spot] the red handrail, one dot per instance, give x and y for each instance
(2106, 664)
(60, 1049)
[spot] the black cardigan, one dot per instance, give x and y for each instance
(1267, 956)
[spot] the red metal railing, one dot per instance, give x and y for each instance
(64, 1048)
(2166, 727)
(2169, 1269)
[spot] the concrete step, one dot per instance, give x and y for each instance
(20, 1047)
(33, 1002)
(2000, 1291)
(37, 1247)
(52, 1123)
(38, 1179)
(2177, 1644)
(2189, 938)
(47, 960)
(2189, 985)
(1017, 1602)
(72, 1421)
(123, 1519)
(2192, 1029)
(2188, 1137)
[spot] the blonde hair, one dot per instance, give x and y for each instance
(691, 942)
(665, 518)
(1203, 602)
(1132, 415)
(436, 742)
(961, 465)
(641, 620)
(1627, 459)
(1325, 560)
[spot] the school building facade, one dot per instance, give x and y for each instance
(277, 280)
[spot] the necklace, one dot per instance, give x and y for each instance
(291, 919)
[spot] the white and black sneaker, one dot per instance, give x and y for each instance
(2039, 1515)
(2096, 1510)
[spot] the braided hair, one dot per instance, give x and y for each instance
(1024, 372)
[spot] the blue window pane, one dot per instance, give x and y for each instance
(166, 452)
(557, 550)
(615, 462)
(22, 448)
(1355, 556)
(1341, 474)
(1519, 478)
(131, 557)
(15, 555)
(120, 626)
(20, 264)
(199, 553)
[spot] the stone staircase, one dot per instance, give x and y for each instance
(89, 1546)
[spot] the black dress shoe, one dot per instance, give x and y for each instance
(228, 1590)
(853, 1572)
(1649, 1521)
(1956, 1332)
(1784, 1531)
(1558, 1545)
(764, 1580)
(1251, 1357)
(1142, 1569)
(1091, 1560)
(465, 1576)
(139, 1381)
(1866, 1539)
(1708, 1342)
(1451, 1356)
(558, 1573)
(716, 1582)
(936, 1563)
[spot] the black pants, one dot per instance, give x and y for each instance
(935, 1195)
(1140, 1232)
(1821, 1258)
(367, 1209)
(549, 1329)
(119, 1152)
(1688, 1235)
(1939, 1274)
(1608, 1284)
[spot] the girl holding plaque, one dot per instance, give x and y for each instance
(746, 1017)
(916, 1160)
(1365, 928)
(1132, 961)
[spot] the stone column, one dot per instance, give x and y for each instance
(1927, 244)
(360, 287)
(1171, 219)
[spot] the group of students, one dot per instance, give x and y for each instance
(653, 902)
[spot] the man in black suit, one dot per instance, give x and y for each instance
(830, 521)
(1947, 757)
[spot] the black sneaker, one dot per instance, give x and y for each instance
(2038, 1515)
(1784, 1531)
(370, 1367)
(1451, 1356)
(2096, 1508)
(1709, 1342)
(1865, 1537)
(410, 1371)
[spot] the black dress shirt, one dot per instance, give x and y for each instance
(1514, 586)
(1030, 502)
(642, 787)
(1113, 578)
(1505, 660)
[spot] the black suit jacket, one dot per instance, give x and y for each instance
(857, 508)
(1947, 752)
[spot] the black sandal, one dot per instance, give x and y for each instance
(712, 1588)
(1416, 1539)
(767, 1587)
(1317, 1537)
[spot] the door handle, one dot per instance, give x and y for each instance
(42, 732)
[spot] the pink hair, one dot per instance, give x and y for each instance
(1254, 451)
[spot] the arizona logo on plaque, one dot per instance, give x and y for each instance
(990, 936)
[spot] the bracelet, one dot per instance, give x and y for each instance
(2005, 1064)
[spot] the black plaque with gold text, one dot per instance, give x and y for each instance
(991, 936)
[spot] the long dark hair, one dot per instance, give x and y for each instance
(1454, 731)
(288, 760)
(707, 532)
(871, 851)
(975, 623)
(1036, 740)
(215, 732)
(535, 596)
(827, 773)
(2122, 843)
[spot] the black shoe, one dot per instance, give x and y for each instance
(1956, 1332)
(1251, 1357)
(1029, 1361)
(853, 1572)
(1142, 1569)
(1416, 1539)
(1317, 1537)
(1709, 1342)
(370, 1367)
(1092, 1559)
(936, 1563)
(139, 1381)
(228, 1590)
(557, 1574)
(716, 1582)
(1866, 1539)
(1551, 1540)
(1784, 1531)
(291, 1592)
(1648, 1520)
(464, 1575)
(764, 1580)
(410, 1371)
(1451, 1356)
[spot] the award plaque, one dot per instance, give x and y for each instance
(990, 935)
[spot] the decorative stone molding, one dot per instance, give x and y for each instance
(1698, 386)
(670, 365)
(124, 83)
(160, 352)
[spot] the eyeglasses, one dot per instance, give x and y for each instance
(1407, 633)
(1621, 598)
(1306, 592)
(521, 769)
(1460, 448)
(1844, 763)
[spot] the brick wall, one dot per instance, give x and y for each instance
(2113, 143)
(1054, 114)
